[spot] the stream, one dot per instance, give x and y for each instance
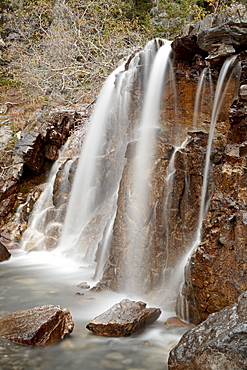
(40, 278)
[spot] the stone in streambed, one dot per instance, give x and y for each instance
(175, 321)
(4, 253)
(38, 326)
(123, 319)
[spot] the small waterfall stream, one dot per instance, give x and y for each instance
(222, 84)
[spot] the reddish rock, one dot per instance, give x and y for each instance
(123, 319)
(216, 274)
(4, 253)
(38, 326)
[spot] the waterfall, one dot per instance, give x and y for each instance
(93, 202)
(117, 217)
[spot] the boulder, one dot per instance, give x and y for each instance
(4, 253)
(38, 326)
(123, 319)
(218, 35)
(220, 342)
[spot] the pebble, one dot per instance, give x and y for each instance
(83, 285)
(111, 365)
(127, 361)
(115, 356)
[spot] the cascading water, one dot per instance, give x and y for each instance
(45, 222)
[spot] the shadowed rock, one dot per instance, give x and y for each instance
(38, 326)
(123, 319)
(220, 342)
(4, 253)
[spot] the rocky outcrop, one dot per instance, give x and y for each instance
(220, 342)
(50, 133)
(123, 319)
(4, 253)
(39, 145)
(216, 37)
(38, 326)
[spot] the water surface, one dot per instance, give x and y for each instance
(39, 278)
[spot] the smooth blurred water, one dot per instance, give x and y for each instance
(38, 278)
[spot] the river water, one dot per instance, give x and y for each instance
(39, 278)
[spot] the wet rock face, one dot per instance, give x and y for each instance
(38, 326)
(220, 342)
(4, 253)
(123, 319)
(217, 272)
(172, 217)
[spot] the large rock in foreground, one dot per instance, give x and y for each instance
(38, 326)
(220, 342)
(123, 319)
(4, 253)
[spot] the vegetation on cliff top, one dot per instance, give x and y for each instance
(62, 50)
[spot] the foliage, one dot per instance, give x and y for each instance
(66, 49)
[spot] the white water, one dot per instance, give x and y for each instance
(198, 98)
(93, 202)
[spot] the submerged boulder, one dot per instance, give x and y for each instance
(220, 342)
(4, 253)
(38, 326)
(123, 319)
